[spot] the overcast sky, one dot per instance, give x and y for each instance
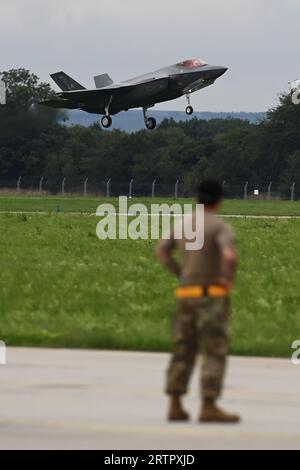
(257, 39)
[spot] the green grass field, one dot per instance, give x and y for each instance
(62, 287)
(73, 204)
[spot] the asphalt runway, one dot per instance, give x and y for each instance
(74, 399)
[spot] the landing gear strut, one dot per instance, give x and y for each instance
(189, 109)
(106, 121)
(150, 122)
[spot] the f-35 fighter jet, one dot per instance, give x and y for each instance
(110, 98)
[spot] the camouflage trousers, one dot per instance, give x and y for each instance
(200, 326)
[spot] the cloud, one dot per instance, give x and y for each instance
(10, 18)
(136, 13)
(257, 39)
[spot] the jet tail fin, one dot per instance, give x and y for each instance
(65, 82)
(2, 92)
(103, 80)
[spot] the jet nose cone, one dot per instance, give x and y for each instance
(222, 70)
(217, 71)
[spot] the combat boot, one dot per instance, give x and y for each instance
(210, 413)
(176, 411)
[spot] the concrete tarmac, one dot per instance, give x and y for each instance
(74, 399)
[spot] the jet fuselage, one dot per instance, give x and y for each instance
(144, 91)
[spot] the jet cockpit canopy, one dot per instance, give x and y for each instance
(192, 63)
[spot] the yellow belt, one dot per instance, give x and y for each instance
(192, 292)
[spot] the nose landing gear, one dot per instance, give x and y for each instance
(106, 121)
(189, 109)
(150, 122)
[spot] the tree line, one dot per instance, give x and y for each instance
(35, 142)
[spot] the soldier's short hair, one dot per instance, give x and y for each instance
(210, 192)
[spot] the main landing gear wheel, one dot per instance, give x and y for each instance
(189, 110)
(150, 123)
(106, 121)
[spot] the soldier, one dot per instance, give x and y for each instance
(200, 324)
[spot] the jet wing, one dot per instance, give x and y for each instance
(93, 100)
(59, 103)
(82, 95)
(114, 90)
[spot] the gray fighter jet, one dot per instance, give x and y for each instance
(110, 98)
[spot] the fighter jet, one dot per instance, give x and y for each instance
(144, 92)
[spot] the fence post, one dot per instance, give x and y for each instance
(108, 188)
(41, 185)
(176, 189)
(246, 191)
(130, 188)
(2, 353)
(85, 187)
(153, 188)
(269, 191)
(19, 184)
(63, 186)
(2, 92)
(293, 192)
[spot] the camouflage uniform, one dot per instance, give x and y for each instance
(199, 326)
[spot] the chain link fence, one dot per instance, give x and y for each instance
(87, 187)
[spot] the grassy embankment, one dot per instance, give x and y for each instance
(62, 287)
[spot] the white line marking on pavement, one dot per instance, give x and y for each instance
(120, 214)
